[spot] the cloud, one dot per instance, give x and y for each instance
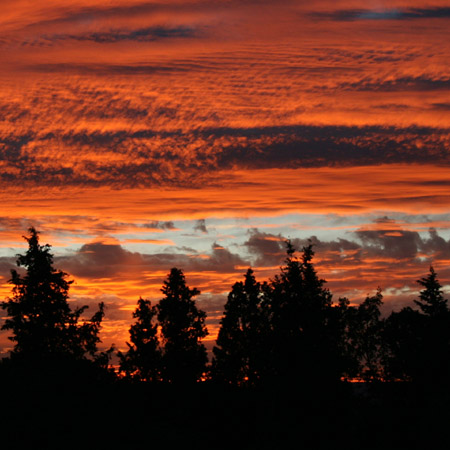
(100, 260)
(441, 106)
(6, 265)
(107, 260)
(350, 15)
(390, 243)
(381, 253)
(201, 226)
(417, 83)
(107, 69)
(386, 256)
(138, 35)
(146, 158)
(269, 249)
(157, 225)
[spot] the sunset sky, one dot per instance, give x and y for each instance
(140, 135)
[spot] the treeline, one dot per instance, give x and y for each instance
(287, 331)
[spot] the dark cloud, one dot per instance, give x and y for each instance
(225, 260)
(88, 15)
(350, 15)
(167, 225)
(138, 35)
(419, 83)
(201, 226)
(100, 260)
(436, 245)
(388, 245)
(147, 161)
(441, 106)
(268, 249)
(305, 146)
(108, 69)
(6, 265)
(104, 260)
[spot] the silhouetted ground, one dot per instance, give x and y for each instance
(66, 415)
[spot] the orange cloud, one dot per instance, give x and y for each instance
(401, 188)
(118, 118)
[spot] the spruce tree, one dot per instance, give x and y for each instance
(239, 354)
(42, 324)
(183, 327)
(418, 341)
(142, 360)
(432, 301)
(436, 331)
(300, 314)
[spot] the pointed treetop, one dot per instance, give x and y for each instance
(432, 301)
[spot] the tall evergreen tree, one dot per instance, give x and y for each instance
(432, 301)
(143, 358)
(239, 354)
(47, 334)
(436, 331)
(418, 341)
(300, 313)
(39, 316)
(183, 327)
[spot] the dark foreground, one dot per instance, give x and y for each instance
(66, 414)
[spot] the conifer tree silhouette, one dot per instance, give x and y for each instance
(418, 341)
(300, 312)
(143, 358)
(432, 301)
(42, 323)
(239, 354)
(183, 327)
(436, 331)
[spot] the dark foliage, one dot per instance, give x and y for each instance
(240, 352)
(279, 375)
(142, 361)
(45, 331)
(304, 346)
(418, 341)
(432, 301)
(182, 325)
(364, 340)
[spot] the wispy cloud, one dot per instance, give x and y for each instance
(348, 15)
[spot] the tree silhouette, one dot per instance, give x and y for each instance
(432, 301)
(184, 357)
(143, 358)
(239, 354)
(300, 316)
(418, 341)
(403, 338)
(42, 323)
(436, 331)
(365, 337)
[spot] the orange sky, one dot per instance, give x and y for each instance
(138, 136)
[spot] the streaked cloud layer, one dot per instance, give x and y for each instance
(138, 135)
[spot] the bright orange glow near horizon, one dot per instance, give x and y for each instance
(137, 136)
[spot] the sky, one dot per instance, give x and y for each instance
(137, 136)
